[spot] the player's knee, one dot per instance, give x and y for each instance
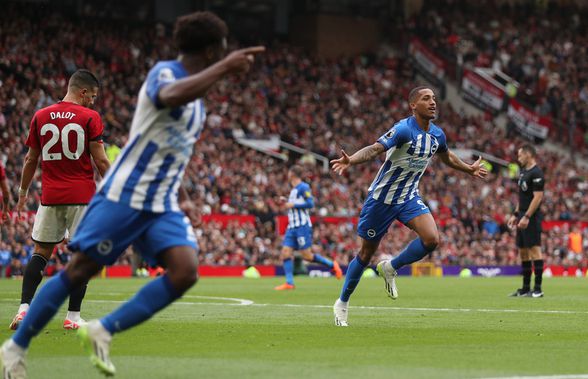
(431, 242)
(183, 279)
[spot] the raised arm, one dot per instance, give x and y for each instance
(195, 86)
(368, 153)
(475, 169)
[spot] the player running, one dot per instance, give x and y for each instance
(393, 195)
(137, 202)
(65, 138)
(299, 232)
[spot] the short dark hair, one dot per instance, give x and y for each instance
(297, 170)
(414, 93)
(196, 31)
(83, 79)
(529, 149)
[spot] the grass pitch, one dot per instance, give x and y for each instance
(242, 328)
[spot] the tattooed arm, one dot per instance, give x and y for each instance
(366, 154)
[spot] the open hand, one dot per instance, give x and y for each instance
(478, 170)
(341, 164)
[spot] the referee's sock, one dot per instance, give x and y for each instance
(527, 271)
(538, 267)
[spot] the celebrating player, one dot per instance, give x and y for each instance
(137, 202)
(393, 195)
(299, 232)
(64, 137)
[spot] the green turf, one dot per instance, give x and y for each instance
(438, 328)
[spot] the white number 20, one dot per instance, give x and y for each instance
(54, 130)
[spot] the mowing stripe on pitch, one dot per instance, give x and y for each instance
(571, 376)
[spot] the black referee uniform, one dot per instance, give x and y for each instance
(530, 181)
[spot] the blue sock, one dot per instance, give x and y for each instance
(354, 272)
(289, 270)
(322, 260)
(150, 299)
(43, 308)
(414, 251)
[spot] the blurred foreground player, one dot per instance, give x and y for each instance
(137, 202)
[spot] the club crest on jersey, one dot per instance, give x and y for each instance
(434, 145)
(166, 75)
(104, 247)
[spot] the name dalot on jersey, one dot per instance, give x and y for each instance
(66, 115)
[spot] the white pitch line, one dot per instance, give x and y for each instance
(572, 376)
(245, 302)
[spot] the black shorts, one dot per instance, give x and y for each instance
(531, 236)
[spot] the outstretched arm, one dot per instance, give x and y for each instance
(475, 169)
(366, 154)
(195, 86)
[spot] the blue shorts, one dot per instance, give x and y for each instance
(299, 238)
(108, 228)
(376, 217)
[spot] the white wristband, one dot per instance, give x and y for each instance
(23, 192)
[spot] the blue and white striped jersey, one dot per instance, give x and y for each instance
(301, 197)
(409, 150)
(149, 170)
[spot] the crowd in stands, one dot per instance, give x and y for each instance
(542, 45)
(316, 104)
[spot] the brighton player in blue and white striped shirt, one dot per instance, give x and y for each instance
(299, 232)
(393, 195)
(138, 200)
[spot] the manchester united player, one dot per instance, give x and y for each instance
(6, 197)
(64, 137)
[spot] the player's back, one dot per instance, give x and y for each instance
(63, 132)
(300, 195)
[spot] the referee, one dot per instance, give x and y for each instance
(527, 220)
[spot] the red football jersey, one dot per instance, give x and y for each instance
(62, 132)
(2, 172)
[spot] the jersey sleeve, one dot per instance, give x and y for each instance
(159, 76)
(398, 135)
(95, 128)
(33, 138)
(538, 182)
(442, 142)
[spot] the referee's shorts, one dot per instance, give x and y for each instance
(531, 236)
